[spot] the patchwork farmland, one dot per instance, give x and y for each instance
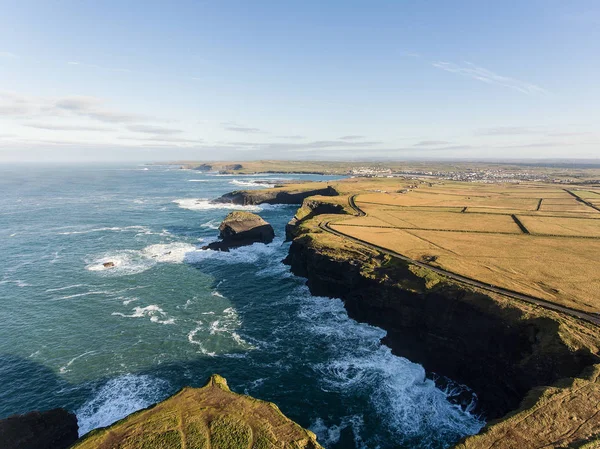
(536, 239)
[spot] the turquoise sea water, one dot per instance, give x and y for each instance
(106, 342)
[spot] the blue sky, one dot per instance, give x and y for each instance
(149, 80)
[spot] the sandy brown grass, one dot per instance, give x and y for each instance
(562, 226)
(470, 230)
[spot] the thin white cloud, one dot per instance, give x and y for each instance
(94, 66)
(292, 137)
(431, 143)
(91, 107)
(470, 70)
(236, 127)
(60, 127)
(150, 129)
(161, 139)
(7, 54)
(351, 137)
(307, 146)
(508, 131)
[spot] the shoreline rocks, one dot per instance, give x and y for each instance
(241, 229)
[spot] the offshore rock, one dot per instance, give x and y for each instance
(240, 229)
(273, 196)
(53, 429)
(208, 417)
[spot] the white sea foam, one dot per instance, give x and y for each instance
(154, 312)
(244, 254)
(330, 435)
(191, 334)
(255, 384)
(59, 289)
(198, 180)
(252, 183)
(79, 295)
(118, 398)
(136, 261)
(17, 282)
(170, 252)
(397, 388)
(64, 369)
(212, 224)
(216, 293)
(208, 335)
(109, 229)
(200, 204)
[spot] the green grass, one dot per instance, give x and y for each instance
(229, 433)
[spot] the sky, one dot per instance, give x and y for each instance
(322, 80)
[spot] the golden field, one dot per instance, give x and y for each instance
(532, 238)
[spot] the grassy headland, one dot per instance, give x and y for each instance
(203, 418)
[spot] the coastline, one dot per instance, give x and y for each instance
(514, 355)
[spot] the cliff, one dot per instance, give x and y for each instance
(241, 228)
(208, 417)
(294, 194)
(564, 415)
(506, 350)
(52, 429)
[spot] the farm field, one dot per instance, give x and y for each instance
(532, 238)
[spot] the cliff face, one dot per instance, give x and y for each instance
(311, 207)
(53, 429)
(273, 196)
(203, 418)
(497, 347)
(242, 228)
(564, 415)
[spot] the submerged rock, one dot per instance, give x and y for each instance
(108, 264)
(208, 417)
(240, 229)
(53, 429)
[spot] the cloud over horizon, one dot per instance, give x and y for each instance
(472, 71)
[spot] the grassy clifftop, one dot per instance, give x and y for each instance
(534, 369)
(201, 418)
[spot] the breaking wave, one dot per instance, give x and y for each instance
(212, 224)
(126, 262)
(118, 398)
(143, 229)
(205, 204)
(397, 388)
(257, 183)
(155, 313)
(218, 335)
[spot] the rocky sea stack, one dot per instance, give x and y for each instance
(240, 229)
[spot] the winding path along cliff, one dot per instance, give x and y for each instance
(533, 368)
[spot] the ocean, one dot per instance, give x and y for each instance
(104, 343)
